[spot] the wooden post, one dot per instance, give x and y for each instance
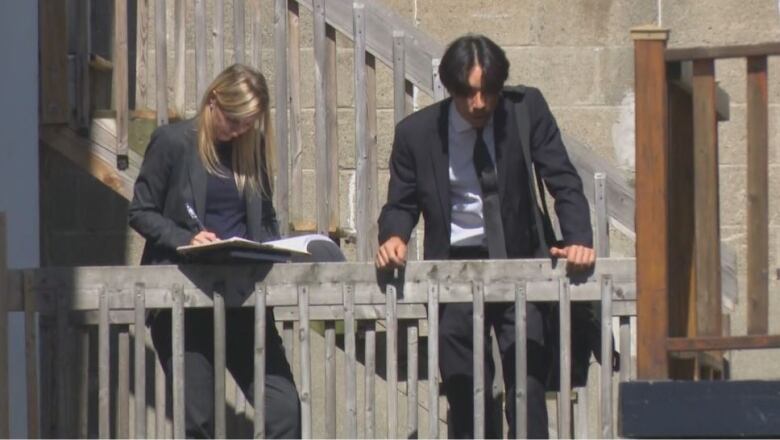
(218, 37)
(4, 294)
(706, 201)
(256, 46)
(401, 105)
(30, 347)
(294, 82)
(83, 30)
(179, 76)
(362, 165)
(521, 364)
(606, 357)
(220, 427)
(140, 360)
(259, 382)
(200, 49)
(320, 118)
(369, 404)
(303, 338)
(564, 325)
(652, 202)
(120, 83)
(391, 359)
(64, 350)
(177, 343)
(282, 135)
(758, 197)
(351, 370)
(161, 61)
(412, 341)
(331, 115)
(478, 337)
(330, 379)
(239, 13)
(52, 22)
(433, 360)
(104, 393)
(123, 384)
(160, 419)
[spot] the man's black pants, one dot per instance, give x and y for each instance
(282, 407)
(456, 364)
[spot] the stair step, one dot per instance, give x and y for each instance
(708, 409)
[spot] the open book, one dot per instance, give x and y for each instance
(237, 248)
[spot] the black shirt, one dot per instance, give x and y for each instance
(225, 207)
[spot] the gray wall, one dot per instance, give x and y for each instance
(19, 167)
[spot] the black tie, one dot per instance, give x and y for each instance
(491, 207)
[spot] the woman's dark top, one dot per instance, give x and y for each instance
(225, 208)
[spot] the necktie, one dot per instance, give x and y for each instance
(491, 206)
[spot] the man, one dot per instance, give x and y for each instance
(451, 160)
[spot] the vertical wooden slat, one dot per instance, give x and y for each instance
(288, 340)
(433, 360)
(521, 364)
(104, 395)
(123, 384)
(83, 391)
(179, 76)
(303, 337)
(4, 294)
(282, 135)
(161, 61)
(330, 379)
(412, 367)
(580, 405)
(606, 357)
(218, 36)
(625, 349)
(53, 57)
(120, 83)
(201, 82)
(140, 360)
(362, 164)
(478, 292)
(256, 46)
(602, 215)
(706, 204)
(564, 395)
(160, 419)
(331, 116)
(758, 197)
(177, 343)
(370, 382)
(400, 104)
(47, 354)
(219, 361)
(84, 32)
(294, 84)
(30, 344)
(64, 368)
(320, 118)
(351, 370)
(259, 382)
(651, 195)
(239, 12)
(391, 328)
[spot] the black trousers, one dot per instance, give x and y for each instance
(282, 407)
(456, 348)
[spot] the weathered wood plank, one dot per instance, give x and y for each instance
(625, 349)
(119, 83)
(30, 347)
(140, 361)
(391, 359)
(53, 45)
(412, 367)
(478, 339)
(362, 215)
(177, 343)
(281, 202)
(260, 341)
(320, 118)
(330, 379)
(706, 200)
(84, 35)
(564, 395)
(64, 350)
(201, 81)
(82, 429)
(303, 339)
(256, 43)
(143, 49)
(651, 192)
(606, 357)
(521, 363)
(294, 84)
(104, 393)
(220, 427)
(369, 403)
(160, 419)
(602, 215)
(401, 105)
(433, 360)
(351, 360)
(712, 343)
(331, 116)
(757, 197)
(736, 51)
(218, 37)
(179, 68)
(123, 384)
(239, 14)
(161, 62)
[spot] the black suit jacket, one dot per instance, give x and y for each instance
(173, 175)
(419, 178)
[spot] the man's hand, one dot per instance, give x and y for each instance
(391, 254)
(578, 257)
(203, 237)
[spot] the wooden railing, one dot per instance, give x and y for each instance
(678, 227)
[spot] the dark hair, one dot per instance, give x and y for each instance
(466, 52)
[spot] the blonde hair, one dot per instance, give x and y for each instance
(240, 92)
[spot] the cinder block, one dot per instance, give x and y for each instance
(720, 22)
(591, 23)
(511, 23)
(566, 75)
(733, 188)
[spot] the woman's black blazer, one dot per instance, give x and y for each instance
(172, 175)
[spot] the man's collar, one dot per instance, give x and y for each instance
(461, 125)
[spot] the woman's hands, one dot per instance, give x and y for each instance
(203, 237)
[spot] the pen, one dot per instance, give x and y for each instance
(194, 216)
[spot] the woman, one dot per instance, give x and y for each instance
(202, 180)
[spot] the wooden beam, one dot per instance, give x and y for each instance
(706, 201)
(713, 343)
(161, 60)
(179, 69)
(52, 22)
(757, 197)
(331, 116)
(737, 51)
(120, 83)
(281, 201)
(320, 119)
(294, 82)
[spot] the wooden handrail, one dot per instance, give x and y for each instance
(722, 52)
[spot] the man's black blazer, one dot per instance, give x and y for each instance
(419, 178)
(173, 175)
